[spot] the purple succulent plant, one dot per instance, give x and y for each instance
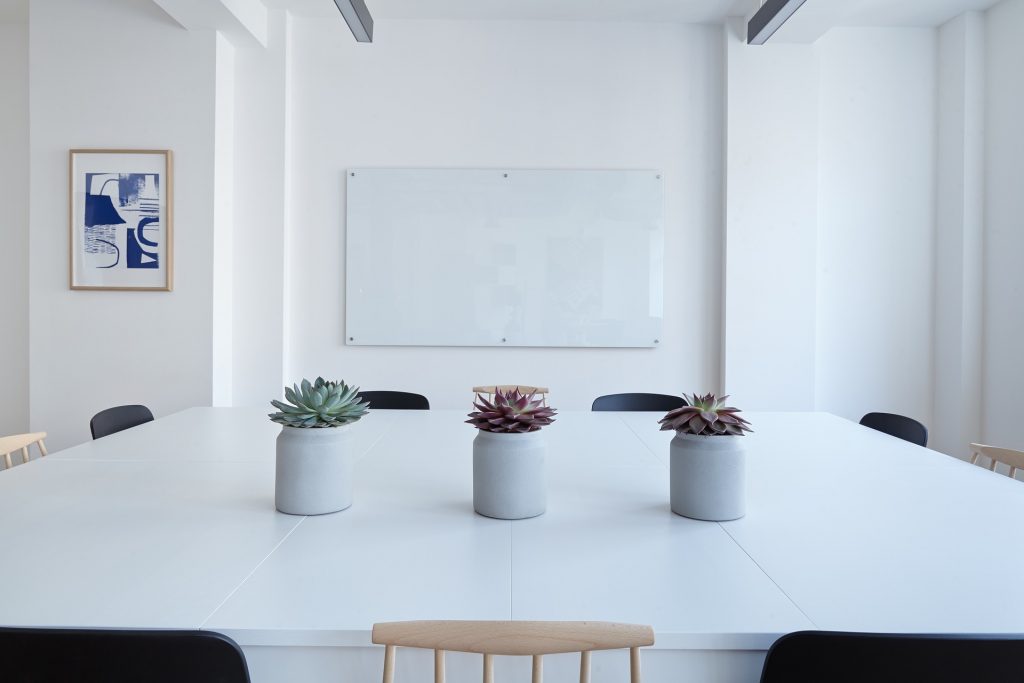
(511, 412)
(705, 416)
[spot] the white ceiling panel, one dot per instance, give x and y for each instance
(682, 11)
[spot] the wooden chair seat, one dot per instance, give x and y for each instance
(517, 638)
(490, 389)
(1009, 457)
(21, 442)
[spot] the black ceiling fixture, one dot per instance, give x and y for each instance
(769, 19)
(358, 19)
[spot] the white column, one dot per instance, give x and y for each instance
(770, 223)
(958, 239)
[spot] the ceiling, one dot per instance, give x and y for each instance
(680, 11)
(842, 12)
(684, 11)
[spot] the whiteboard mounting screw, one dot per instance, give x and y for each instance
(655, 341)
(506, 175)
(354, 175)
(502, 340)
(657, 176)
(351, 338)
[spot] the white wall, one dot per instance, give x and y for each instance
(509, 94)
(119, 74)
(1004, 228)
(876, 211)
(14, 227)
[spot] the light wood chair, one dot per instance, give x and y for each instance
(21, 442)
(490, 389)
(1009, 457)
(517, 638)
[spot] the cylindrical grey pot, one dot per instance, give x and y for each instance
(508, 475)
(709, 479)
(314, 470)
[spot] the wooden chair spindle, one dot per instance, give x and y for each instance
(438, 666)
(585, 666)
(488, 668)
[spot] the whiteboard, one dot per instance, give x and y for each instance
(448, 257)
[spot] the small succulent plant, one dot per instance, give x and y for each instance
(705, 416)
(511, 412)
(319, 404)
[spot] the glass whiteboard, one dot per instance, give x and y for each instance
(504, 258)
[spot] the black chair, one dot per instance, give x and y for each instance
(33, 655)
(899, 426)
(114, 420)
(818, 656)
(395, 400)
(638, 402)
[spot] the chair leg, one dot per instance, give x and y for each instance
(634, 665)
(538, 669)
(389, 664)
(438, 666)
(488, 668)
(585, 666)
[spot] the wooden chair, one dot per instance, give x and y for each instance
(518, 638)
(1009, 457)
(21, 442)
(491, 389)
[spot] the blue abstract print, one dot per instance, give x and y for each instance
(121, 221)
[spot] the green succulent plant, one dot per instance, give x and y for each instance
(511, 412)
(705, 416)
(319, 404)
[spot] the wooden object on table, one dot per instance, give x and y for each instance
(491, 389)
(1009, 457)
(517, 638)
(21, 442)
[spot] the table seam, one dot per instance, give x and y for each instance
(768, 576)
(248, 576)
(644, 443)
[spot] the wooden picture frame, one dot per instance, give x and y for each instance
(120, 219)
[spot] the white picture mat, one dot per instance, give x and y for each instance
(504, 258)
(84, 273)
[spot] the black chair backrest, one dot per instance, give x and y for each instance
(638, 402)
(819, 656)
(31, 655)
(395, 400)
(114, 420)
(900, 426)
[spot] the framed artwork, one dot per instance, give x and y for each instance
(121, 222)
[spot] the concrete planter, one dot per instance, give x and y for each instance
(314, 470)
(708, 475)
(508, 475)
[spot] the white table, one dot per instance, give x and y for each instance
(172, 524)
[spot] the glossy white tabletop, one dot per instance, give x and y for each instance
(172, 524)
